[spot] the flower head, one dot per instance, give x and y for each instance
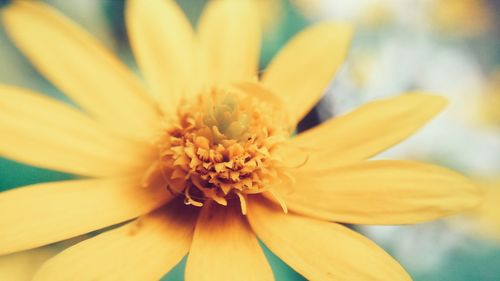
(202, 158)
(223, 144)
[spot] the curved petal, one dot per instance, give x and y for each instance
(43, 132)
(163, 42)
(23, 265)
(321, 250)
(80, 67)
(141, 250)
(365, 131)
(225, 248)
(382, 192)
(230, 40)
(302, 70)
(45, 213)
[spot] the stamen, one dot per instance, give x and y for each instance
(243, 202)
(306, 159)
(188, 200)
(298, 150)
(280, 200)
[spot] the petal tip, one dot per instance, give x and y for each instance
(429, 101)
(478, 194)
(470, 193)
(440, 100)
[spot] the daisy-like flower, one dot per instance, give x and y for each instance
(206, 163)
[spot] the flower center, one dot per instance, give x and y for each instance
(224, 145)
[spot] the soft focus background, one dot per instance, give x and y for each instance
(450, 47)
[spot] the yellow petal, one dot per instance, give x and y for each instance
(225, 248)
(302, 70)
(257, 90)
(142, 250)
(163, 42)
(43, 132)
(321, 250)
(80, 67)
(230, 40)
(45, 213)
(22, 266)
(485, 219)
(365, 131)
(382, 192)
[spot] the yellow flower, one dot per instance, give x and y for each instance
(211, 135)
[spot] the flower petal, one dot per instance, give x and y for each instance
(43, 132)
(230, 40)
(321, 250)
(142, 250)
(80, 67)
(258, 91)
(163, 42)
(302, 70)
(225, 248)
(486, 217)
(382, 192)
(45, 213)
(365, 131)
(23, 265)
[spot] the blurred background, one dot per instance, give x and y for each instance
(450, 47)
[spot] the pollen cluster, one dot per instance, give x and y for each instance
(223, 145)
